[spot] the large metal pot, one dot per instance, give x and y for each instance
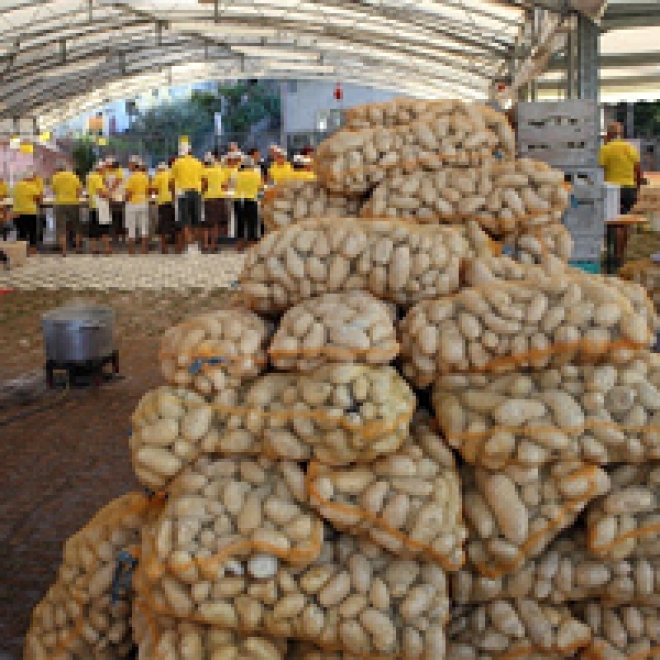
(78, 333)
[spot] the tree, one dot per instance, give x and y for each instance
(83, 155)
(647, 119)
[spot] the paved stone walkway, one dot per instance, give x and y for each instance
(124, 272)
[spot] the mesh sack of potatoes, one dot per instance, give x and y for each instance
(82, 617)
(539, 323)
(502, 198)
(620, 633)
(295, 201)
(626, 522)
(403, 111)
(408, 502)
(645, 273)
(169, 429)
(353, 162)
(566, 572)
(521, 629)
(356, 597)
(515, 513)
(167, 638)
(215, 350)
(337, 414)
(599, 413)
(227, 517)
(532, 246)
(335, 327)
(485, 271)
(395, 261)
(306, 651)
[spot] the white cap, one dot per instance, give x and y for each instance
(209, 157)
(184, 149)
(235, 155)
(29, 173)
(162, 167)
(100, 164)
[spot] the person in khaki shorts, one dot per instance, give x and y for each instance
(137, 205)
(67, 188)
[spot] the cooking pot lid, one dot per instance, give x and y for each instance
(78, 313)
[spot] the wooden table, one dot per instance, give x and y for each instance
(611, 243)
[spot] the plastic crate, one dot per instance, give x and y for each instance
(592, 267)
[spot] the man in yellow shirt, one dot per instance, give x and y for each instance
(216, 206)
(622, 166)
(137, 205)
(281, 170)
(67, 188)
(247, 184)
(187, 186)
(302, 169)
(99, 210)
(160, 186)
(4, 213)
(27, 197)
(113, 177)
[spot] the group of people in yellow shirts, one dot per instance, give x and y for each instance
(207, 194)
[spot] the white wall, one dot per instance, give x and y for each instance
(301, 107)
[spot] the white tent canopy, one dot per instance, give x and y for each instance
(60, 57)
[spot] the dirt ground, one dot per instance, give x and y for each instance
(64, 454)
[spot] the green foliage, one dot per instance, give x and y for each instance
(83, 155)
(647, 119)
(246, 104)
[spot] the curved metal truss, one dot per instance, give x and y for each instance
(61, 57)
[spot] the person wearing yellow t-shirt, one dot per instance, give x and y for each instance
(247, 185)
(216, 205)
(136, 195)
(302, 169)
(281, 170)
(99, 210)
(67, 188)
(4, 212)
(622, 166)
(160, 186)
(187, 186)
(113, 177)
(27, 197)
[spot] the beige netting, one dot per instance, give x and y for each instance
(540, 323)
(408, 502)
(514, 514)
(566, 572)
(86, 614)
(295, 201)
(626, 521)
(335, 327)
(501, 197)
(230, 516)
(355, 597)
(167, 638)
(603, 414)
(215, 350)
(620, 633)
(353, 162)
(403, 111)
(515, 630)
(395, 261)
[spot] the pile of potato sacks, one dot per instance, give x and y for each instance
(397, 443)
